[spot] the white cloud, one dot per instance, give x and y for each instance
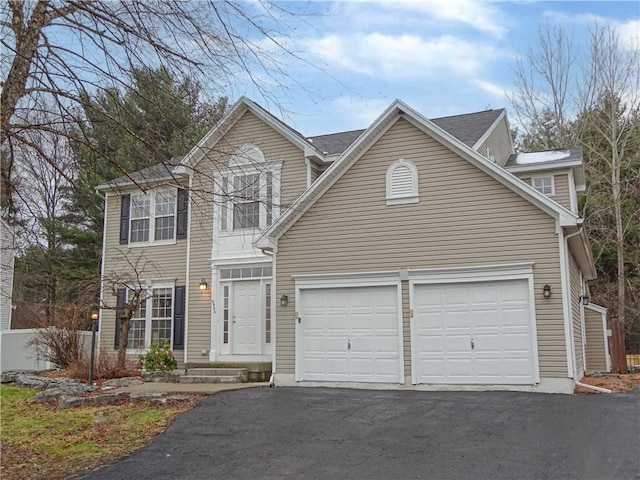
(360, 112)
(492, 89)
(480, 15)
(630, 33)
(396, 57)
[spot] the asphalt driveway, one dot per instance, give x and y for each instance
(318, 433)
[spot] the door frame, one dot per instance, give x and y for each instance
(346, 280)
(474, 274)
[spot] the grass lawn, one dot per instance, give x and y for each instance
(41, 441)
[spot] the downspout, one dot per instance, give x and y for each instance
(593, 387)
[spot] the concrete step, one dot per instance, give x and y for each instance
(213, 372)
(212, 379)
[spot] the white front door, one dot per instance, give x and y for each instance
(350, 334)
(245, 324)
(473, 333)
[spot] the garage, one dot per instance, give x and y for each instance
(475, 332)
(349, 334)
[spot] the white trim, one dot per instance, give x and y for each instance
(153, 217)
(566, 301)
(471, 274)
(310, 282)
(150, 286)
(583, 326)
(553, 184)
(487, 273)
(102, 264)
(413, 196)
(573, 195)
(187, 273)
(490, 130)
(274, 313)
(307, 163)
(597, 308)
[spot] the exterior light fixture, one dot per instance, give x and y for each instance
(203, 285)
(585, 300)
(284, 301)
(95, 315)
(546, 291)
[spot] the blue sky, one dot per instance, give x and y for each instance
(442, 57)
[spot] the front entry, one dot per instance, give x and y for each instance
(245, 324)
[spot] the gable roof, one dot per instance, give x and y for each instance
(396, 110)
(243, 105)
(335, 143)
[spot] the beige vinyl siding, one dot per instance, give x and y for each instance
(463, 218)
(155, 263)
(576, 315)
(315, 172)
(562, 191)
(498, 143)
(249, 129)
(596, 352)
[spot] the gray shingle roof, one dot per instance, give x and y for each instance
(469, 127)
(334, 143)
(154, 173)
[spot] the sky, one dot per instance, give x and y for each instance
(442, 57)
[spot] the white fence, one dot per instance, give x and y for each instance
(16, 355)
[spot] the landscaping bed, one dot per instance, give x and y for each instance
(617, 383)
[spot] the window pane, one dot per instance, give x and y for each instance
(161, 316)
(246, 215)
(136, 334)
(247, 188)
(269, 198)
(165, 202)
(225, 273)
(267, 271)
(225, 315)
(224, 204)
(139, 230)
(140, 206)
(160, 332)
(164, 228)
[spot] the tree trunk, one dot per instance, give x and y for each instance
(125, 325)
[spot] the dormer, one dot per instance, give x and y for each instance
(559, 173)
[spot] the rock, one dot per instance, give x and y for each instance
(31, 381)
(123, 382)
(165, 377)
(70, 389)
(146, 396)
(99, 417)
(104, 399)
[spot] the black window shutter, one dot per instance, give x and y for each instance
(120, 303)
(124, 219)
(181, 220)
(178, 318)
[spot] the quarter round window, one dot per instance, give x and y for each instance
(402, 182)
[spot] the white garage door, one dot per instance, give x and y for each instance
(473, 333)
(349, 334)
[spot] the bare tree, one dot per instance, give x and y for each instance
(64, 51)
(611, 136)
(597, 107)
(129, 276)
(545, 98)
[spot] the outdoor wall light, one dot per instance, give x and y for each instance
(546, 291)
(95, 316)
(584, 299)
(284, 301)
(203, 285)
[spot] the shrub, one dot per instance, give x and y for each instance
(105, 368)
(158, 359)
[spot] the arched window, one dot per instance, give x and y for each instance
(247, 154)
(402, 182)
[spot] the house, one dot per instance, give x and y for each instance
(416, 253)
(7, 255)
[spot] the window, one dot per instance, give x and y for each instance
(402, 182)
(152, 323)
(153, 211)
(543, 184)
(246, 201)
(225, 315)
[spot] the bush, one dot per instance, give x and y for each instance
(105, 368)
(59, 336)
(158, 359)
